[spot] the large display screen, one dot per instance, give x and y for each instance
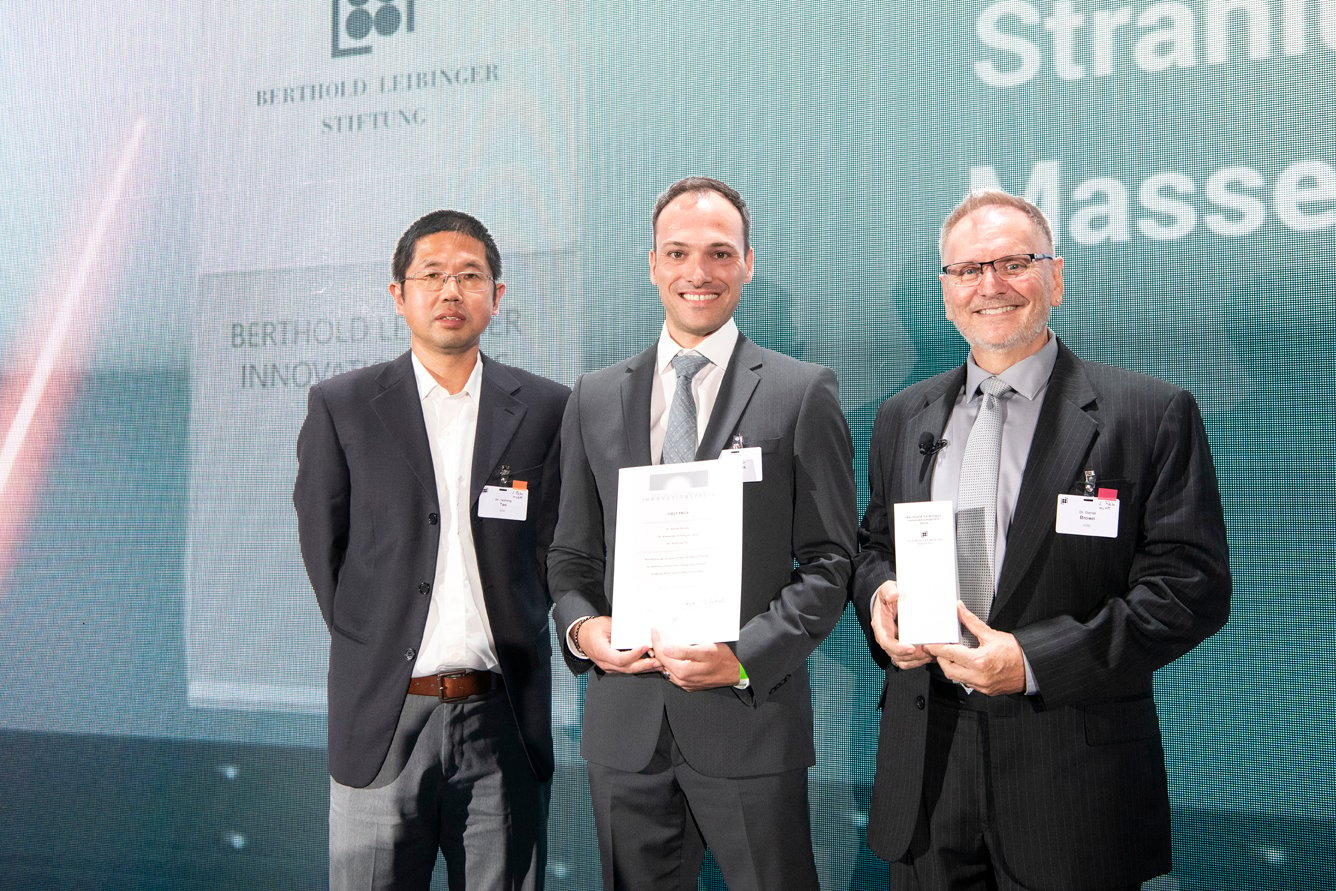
(199, 209)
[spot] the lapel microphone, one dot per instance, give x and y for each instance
(929, 444)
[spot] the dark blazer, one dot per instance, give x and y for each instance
(369, 525)
(802, 510)
(1077, 773)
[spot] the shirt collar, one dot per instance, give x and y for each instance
(718, 347)
(426, 384)
(1027, 377)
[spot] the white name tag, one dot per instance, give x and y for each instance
(751, 462)
(504, 502)
(1079, 515)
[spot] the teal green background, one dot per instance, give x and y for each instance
(850, 128)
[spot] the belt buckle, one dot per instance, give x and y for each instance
(451, 675)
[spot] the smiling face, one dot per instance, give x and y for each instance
(447, 322)
(699, 264)
(1004, 320)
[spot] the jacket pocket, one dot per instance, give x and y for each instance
(1120, 722)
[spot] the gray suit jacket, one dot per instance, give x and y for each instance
(801, 511)
(1077, 773)
(369, 524)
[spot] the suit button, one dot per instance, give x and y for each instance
(433, 518)
(409, 655)
(920, 703)
(424, 588)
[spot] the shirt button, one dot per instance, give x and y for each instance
(433, 518)
(424, 588)
(920, 703)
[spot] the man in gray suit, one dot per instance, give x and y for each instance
(1033, 760)
(695, 745)
(426, 497)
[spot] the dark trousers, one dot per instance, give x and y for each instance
(953, 847)
(654, 826)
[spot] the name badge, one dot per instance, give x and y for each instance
(750, 459)
(1080, 515)
(504, 502)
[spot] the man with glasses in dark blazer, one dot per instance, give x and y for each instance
(426, 498)
(1090, 552)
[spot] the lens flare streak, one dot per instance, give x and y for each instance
(15, 454)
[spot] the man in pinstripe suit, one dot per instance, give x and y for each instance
(1033, 760)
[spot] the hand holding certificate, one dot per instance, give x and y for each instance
(925, 568)
(679, 553)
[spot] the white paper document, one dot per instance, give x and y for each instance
(679, 553)
(925, 568)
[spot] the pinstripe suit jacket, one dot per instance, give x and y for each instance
(1077, 773)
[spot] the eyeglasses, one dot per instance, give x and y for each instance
(468, 282)
(1013, 266)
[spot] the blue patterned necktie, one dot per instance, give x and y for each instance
(679, 444)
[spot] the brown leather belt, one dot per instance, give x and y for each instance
(455, 685)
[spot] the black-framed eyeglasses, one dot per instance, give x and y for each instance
(468, 282)
(1010, 266)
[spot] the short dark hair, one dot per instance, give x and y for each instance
(444, 221)
(981, 198)
(703, 184)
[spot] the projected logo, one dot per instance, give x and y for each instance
(357, 23)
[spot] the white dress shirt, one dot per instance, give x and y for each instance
(457, 635)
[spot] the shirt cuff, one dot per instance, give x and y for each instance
(744, 682)
(570, 638)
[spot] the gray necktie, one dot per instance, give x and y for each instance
(680, 442)
(976, 505)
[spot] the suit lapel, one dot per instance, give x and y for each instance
(400, 409)
(635, 393)
(1062, 438)
(735, 391)
(916, 479)
(500, 412)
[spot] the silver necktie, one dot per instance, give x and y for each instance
(976, 505)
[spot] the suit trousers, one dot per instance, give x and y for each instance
(655, 824)
(457, 780)
(953, 848)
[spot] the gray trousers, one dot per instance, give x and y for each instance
(456, 780)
